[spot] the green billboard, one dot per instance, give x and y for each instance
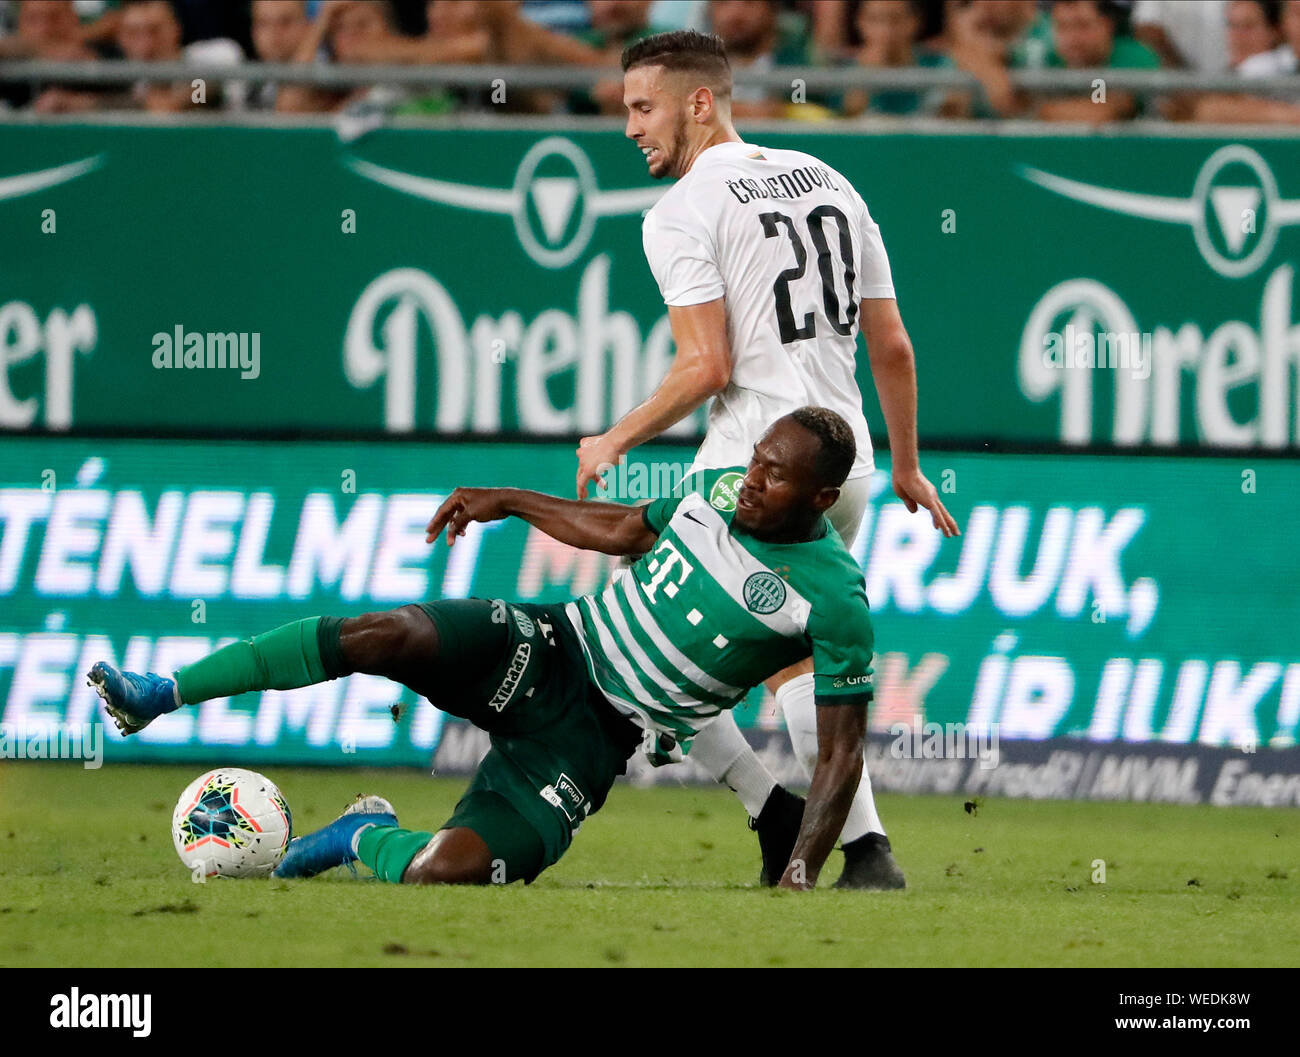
(1118, 600)
(1059, 290)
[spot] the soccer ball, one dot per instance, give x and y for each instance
(231, 823)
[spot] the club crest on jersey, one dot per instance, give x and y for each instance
(725, 491)
(524, 622)
(764, 593)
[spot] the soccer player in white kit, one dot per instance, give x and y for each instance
(769, 263)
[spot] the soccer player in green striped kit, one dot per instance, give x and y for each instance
(770, 264)
(739, 578)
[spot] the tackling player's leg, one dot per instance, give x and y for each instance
(335, 844)
(517, 672)
(370, 833)
(400, 644)
(390, 643)
(514, 671)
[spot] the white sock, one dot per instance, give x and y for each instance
(796, 701)
(722, 750)
(862, 812)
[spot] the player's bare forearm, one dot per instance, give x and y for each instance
(701, 369)
(840, 729)
(611, 528)
(685, 387)
(893, 369)
(895, 380)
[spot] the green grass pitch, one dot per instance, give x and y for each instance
(88, 877)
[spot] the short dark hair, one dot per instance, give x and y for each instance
(684, 51)
(838, 448)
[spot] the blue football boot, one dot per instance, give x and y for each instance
(335, 844)
(134, 701)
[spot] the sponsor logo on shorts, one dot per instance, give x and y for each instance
(524, 622)
(513, 674)
(764, 593)
(851, 680)
(567, 797)
(725, 490)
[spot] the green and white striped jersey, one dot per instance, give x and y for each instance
(711, 612)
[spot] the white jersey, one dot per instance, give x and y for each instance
(791, 245)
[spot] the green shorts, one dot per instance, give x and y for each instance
(517, 671)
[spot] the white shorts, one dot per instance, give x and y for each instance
(846, 513)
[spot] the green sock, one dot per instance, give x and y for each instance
(297, 654)
(388, 850)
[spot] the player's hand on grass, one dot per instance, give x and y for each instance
(463, 506)
(915, 490)
(596, 456)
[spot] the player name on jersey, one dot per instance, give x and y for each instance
(794, 184)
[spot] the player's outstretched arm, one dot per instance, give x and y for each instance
(840, 730)
(893, 369)
(701, 369)
(611, 528)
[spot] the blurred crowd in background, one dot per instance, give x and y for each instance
(1244, 39)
